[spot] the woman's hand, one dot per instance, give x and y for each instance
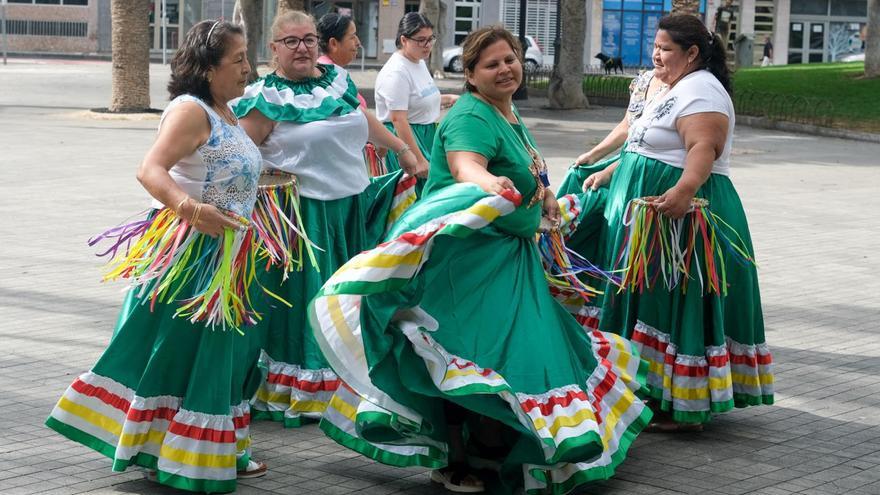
(207, 219)
(550, 208)
(446, 101)
(597, 180)
(585, 158)
(412, 165)
(497, 184)
(675, 202)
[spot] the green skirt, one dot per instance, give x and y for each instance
(706, 351)
(452, 308)
(424, 134)
(299, 381)
(168, 395)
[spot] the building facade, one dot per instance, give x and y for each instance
(802, 31)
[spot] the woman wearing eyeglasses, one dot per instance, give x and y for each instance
(305, 119)
(407, 100)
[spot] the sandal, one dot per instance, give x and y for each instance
(254, 469)
(456, 478)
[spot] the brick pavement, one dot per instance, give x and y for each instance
(812, 204)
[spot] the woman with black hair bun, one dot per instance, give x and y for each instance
(703, 337)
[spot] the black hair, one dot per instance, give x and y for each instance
(332, 26)
(410, 24)
(687, 31)
(202, 49)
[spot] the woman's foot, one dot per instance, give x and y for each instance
(458, 478)
(254, 469)
(663, 422)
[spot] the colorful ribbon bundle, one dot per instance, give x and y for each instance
(562, 267)
(278, 223)
(657, 246)
(169, 256)
(375, 164)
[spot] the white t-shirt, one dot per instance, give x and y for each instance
(653, 134)
(327, 156)
(406, 85)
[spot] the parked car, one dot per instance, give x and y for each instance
(534, 57)
(855, 57)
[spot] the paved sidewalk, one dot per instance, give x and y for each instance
(813, 205)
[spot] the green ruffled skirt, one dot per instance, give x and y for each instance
(168, 395)
(424, 134)
(473, 324)
(299, 381)
(707, 352)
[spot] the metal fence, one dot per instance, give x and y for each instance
(613, 90)
(789, 108)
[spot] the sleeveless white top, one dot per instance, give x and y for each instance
(224, 171)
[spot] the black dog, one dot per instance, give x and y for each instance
(609, 63)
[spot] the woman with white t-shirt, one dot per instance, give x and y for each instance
(407, 100)
(706, 350)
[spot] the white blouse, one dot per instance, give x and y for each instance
(654, 133)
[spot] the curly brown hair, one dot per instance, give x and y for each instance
(479, 40)
(202, 49)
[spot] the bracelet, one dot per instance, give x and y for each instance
(403, 150)
(196, 214)
(180, 205)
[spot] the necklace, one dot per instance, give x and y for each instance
(537, 167)
(226, 114)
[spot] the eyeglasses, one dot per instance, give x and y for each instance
(423, 41)
(292, 42)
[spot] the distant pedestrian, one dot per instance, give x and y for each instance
(768, 52)
(407, 100)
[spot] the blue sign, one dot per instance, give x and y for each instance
(631, 38)
(650, 30)
(611, 33)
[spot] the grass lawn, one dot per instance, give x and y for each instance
(856, 101)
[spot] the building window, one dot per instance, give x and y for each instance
(47, 28)
(810, 7)
(410, 6)
(52, 2)
(540, 22)
(467, 18)
(852, 8)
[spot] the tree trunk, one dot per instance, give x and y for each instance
(249, 15)
(691, 7)
(872, 40)
(285, 5)
(566, 90)
(130, 87)
(435, 11)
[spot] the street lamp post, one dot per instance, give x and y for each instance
(164, 32)
(522, 93)
(3, 25)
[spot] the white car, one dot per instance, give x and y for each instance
(855, 57)
(534, 57)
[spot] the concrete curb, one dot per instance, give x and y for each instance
(765, 123)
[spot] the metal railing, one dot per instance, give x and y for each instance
(789, 108)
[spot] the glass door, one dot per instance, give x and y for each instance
(172, 14)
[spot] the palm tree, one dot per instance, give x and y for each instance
(130, 36)
(285, 5)
(249, 15)
(566, 84)
(691, 7)
(872, 40)
(435, 11)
